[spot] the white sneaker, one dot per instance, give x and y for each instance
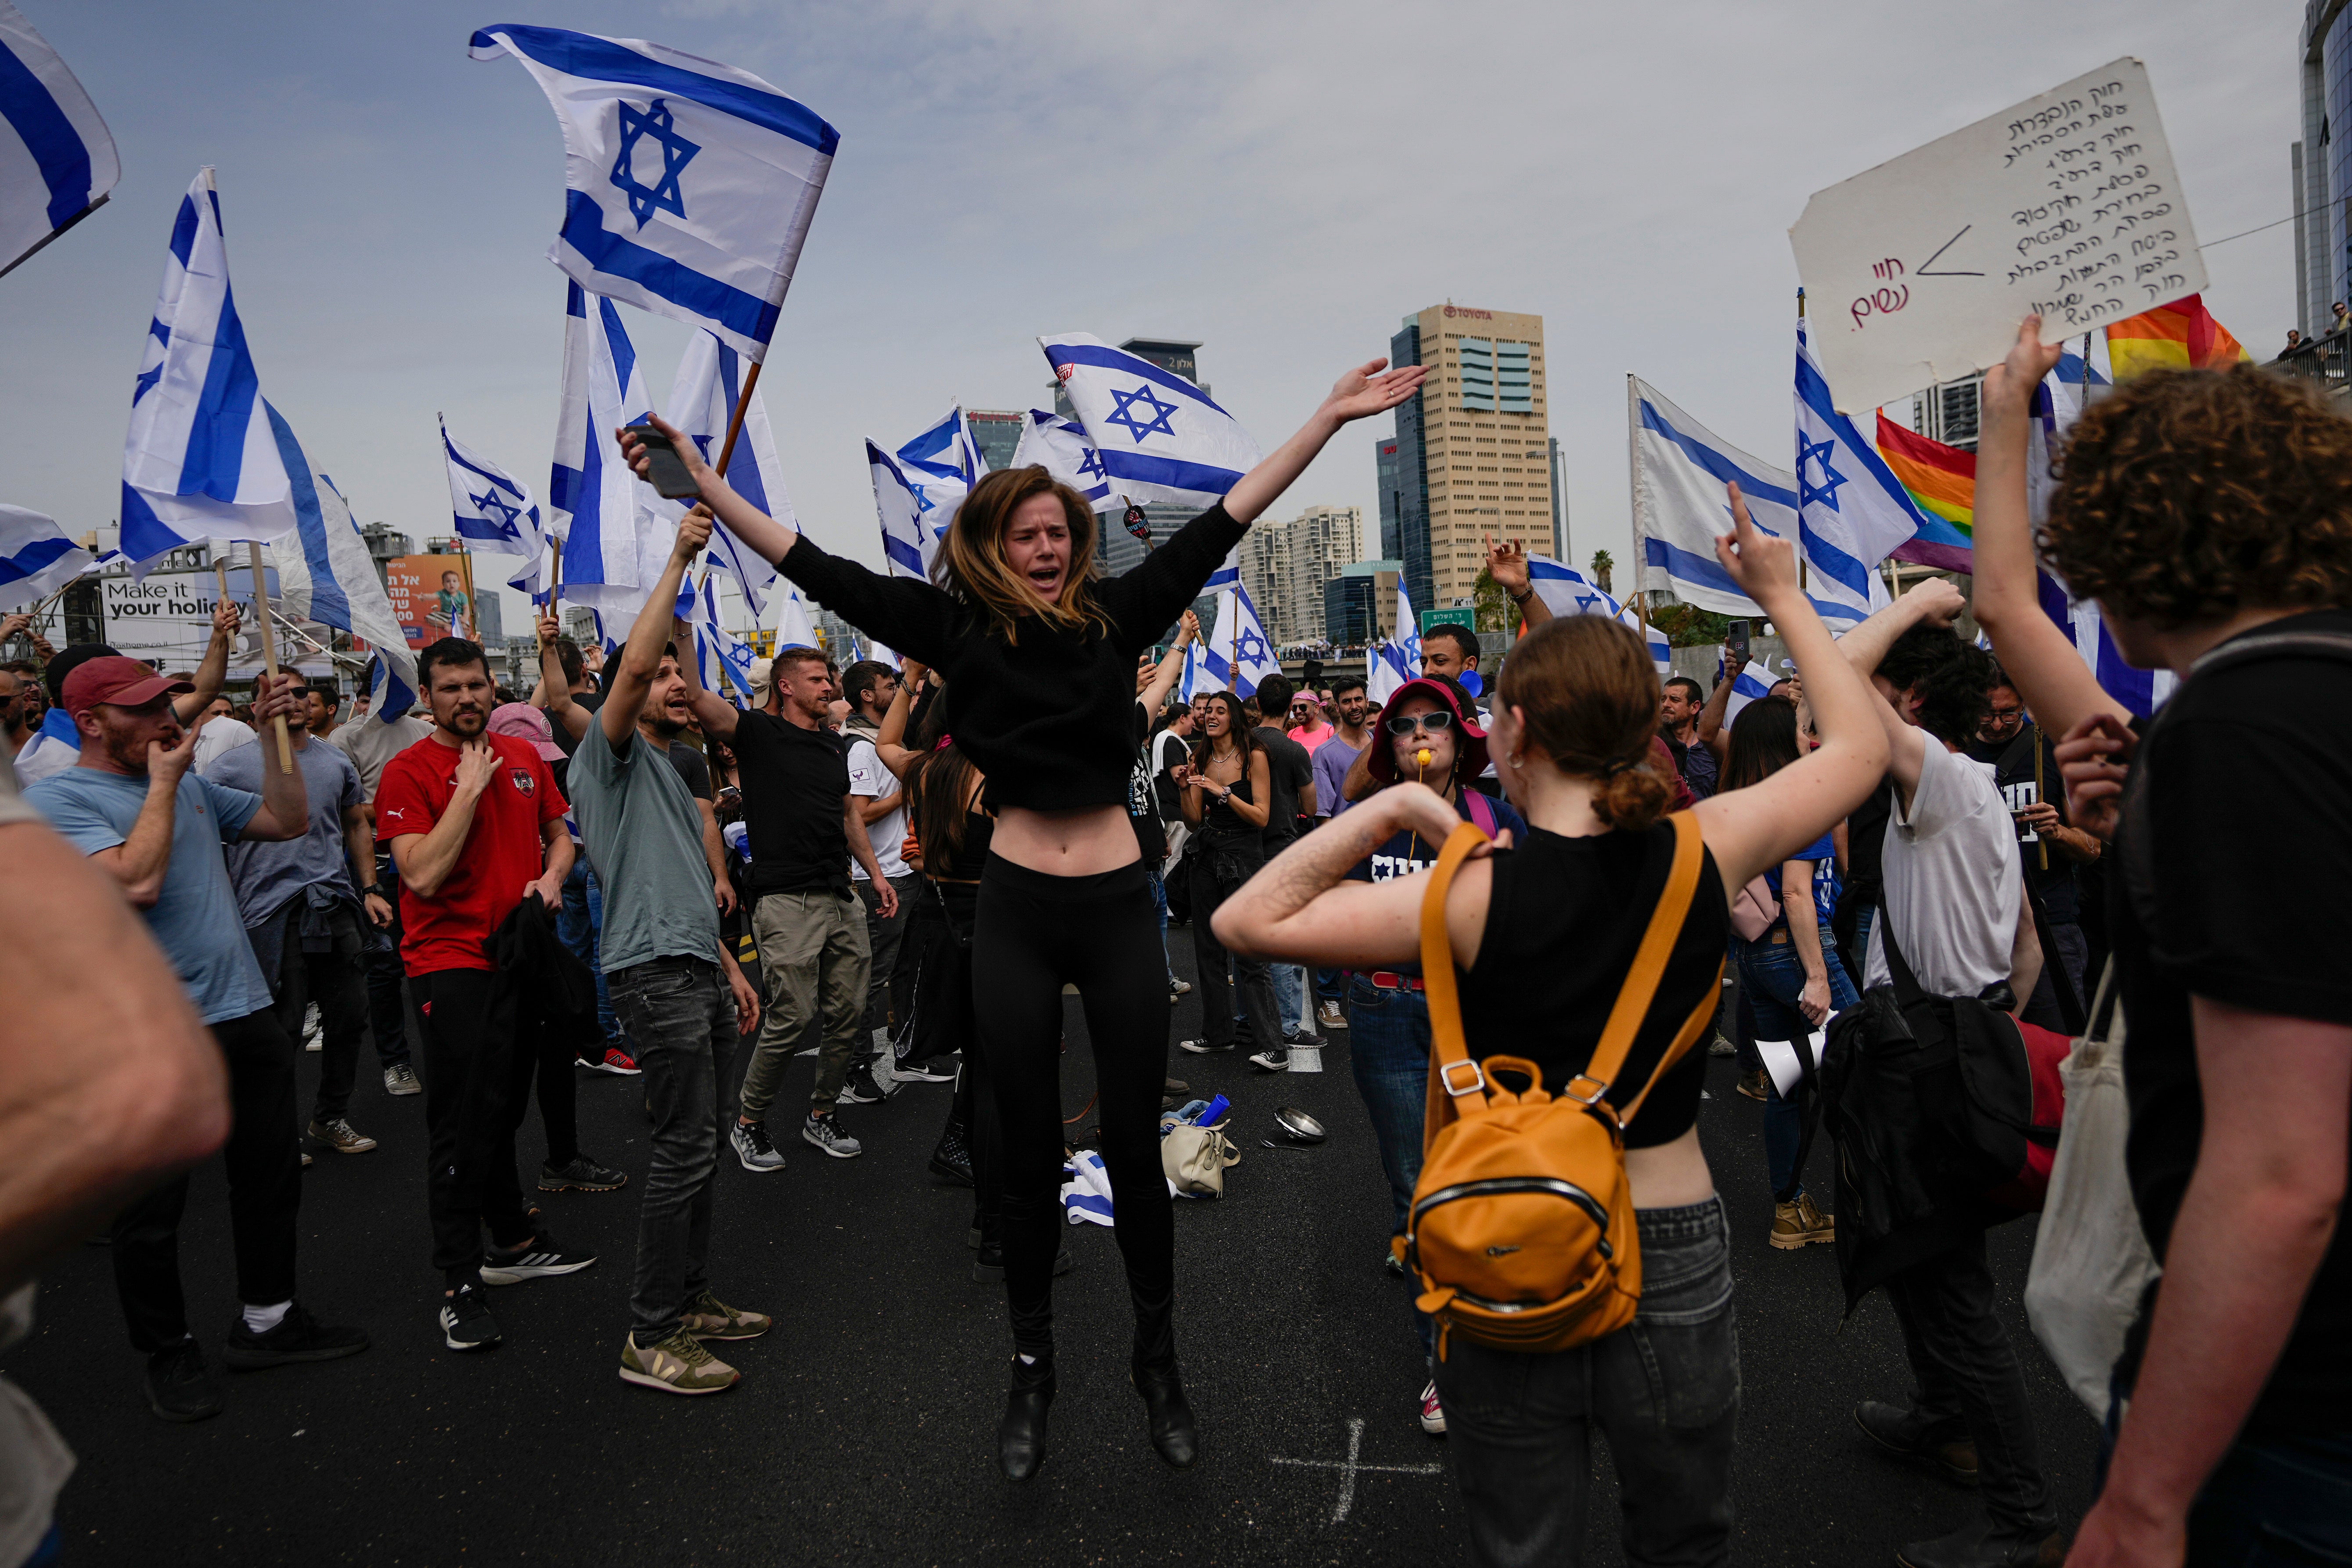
(824, 1132)
(311, 1039)
(1433, 1413)
(1271, 1061)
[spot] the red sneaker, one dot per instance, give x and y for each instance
(619, 1063)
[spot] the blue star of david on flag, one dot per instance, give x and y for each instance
(1250, 648)
(655, 121)
(496, 506)
(1090, 464)
(1124, 415)
(1808, 492)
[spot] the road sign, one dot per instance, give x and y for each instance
(1466, 619)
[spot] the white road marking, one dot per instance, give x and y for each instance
(1350, 1466)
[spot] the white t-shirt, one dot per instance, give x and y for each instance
(218, 737)
(1952, 886)
(870, 779)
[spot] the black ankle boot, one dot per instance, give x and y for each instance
(952, 1157)
(1167, 1418)
(1021, 1436)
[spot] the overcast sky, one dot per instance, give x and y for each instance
(1283, 182)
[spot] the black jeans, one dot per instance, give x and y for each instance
(265, 1188)
(1665, 1389)
(681, 1014)
(337, 982)
(1969, 1377)
(476, 1081)
(1033, 934)
(1217, 875)
(388, 1001)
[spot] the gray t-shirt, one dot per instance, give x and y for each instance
(644, 834)
(371, 742)
(266, 874)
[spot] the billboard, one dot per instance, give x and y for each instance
(167, 620)
(432, 596)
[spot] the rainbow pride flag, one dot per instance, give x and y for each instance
(2183, 335)
(1943, 481)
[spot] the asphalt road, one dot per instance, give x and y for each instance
(863, 1427)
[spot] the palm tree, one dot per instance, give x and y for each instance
(1601, 562)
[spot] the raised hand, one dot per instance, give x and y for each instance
(1937, 602)
(272, 698)
(229, 619)
(632, 451)
(1507, 563)
(1190, 631)
(2095, 759)
(1368, 389)
(2009, 385)
(693, 532)
(477, 764)
(550, 627)
(1762, 564)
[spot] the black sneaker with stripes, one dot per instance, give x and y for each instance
(539, 1258)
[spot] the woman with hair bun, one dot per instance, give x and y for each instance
(1544, 928)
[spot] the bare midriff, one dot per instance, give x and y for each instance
(1670, 1176)
(1084, 842)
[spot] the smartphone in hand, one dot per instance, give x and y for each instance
(1736, 639)
(667, 473)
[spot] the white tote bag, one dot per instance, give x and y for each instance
(2090, 1260)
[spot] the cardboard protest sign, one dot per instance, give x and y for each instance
(1919, 270)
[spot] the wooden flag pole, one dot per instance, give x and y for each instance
(2041, 842)
(727, 447)
(1633, 495)
(269, 652)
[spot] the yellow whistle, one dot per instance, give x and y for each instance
(1421, 757)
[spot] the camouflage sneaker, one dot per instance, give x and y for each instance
(709, 1318)
(678, 1365)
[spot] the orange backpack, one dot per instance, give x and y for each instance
(1522, 1229)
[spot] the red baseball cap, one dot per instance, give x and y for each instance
(1471, 748)
(119, 681)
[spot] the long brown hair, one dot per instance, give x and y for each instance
(1589, 695)
(937, 784)
(1245, 737)
(972, 568)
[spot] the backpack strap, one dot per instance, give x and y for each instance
(1481, 810)
(1457, 1084)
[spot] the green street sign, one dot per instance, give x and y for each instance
(1467, 619)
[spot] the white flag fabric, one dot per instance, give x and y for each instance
(1238, 657)
(36, 559)
(389, 697)
(1566, 591)
(616, 540)
(795, 627)
(1745, 688)
(940, 466)
(722, 659)
(324, 570)
(1407, 630)
(1385, 669)
(56, 160)
(689, 186)
(1060, 446)
(1852, 512)
(702, 403)
(493, 512)
(1162, 438)
(200, 460)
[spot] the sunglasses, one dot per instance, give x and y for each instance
(1435, 722)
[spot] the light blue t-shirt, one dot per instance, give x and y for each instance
(266, 875)
(643, 836)
(195, 919)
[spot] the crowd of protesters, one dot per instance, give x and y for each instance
(630, 874)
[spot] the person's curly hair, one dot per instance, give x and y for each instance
(1952, 679)
(2188, 495)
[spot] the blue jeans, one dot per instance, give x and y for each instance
(1388, 1047)
(1329, 986)
(1771, 977)
(1665, 1389)
(1289, 988)
(1160, 903)
(581, 928)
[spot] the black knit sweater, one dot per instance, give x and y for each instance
(1048, 720)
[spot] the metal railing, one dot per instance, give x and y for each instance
(2327, 361)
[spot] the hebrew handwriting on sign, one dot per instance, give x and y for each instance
(2066, 206)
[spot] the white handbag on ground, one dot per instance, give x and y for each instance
(2090, 1260)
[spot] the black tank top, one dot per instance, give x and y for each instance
(979, 829)
(1562, 924)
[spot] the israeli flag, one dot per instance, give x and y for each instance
(1386, 667)
(1238, 656)
(880, 654)
(390, 694)
(1195, 678)
(942, 463)
(1407, 629)
(1060, 446)
(1851, 511)
(36, 559)
(702, 403)
(1747, 688)
(200, 459)
(908, 547)
(1566, 591)
(795, 627)
(722, 659)
(604, 515)
(689, 186)
(493, 512)
(1680, 469)
(1161, 437)
(324, 570)
(57, 160)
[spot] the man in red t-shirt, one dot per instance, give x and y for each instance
(476, 823)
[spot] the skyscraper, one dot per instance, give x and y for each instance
(1473, 449)
(1286, 563)
(997, 433)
